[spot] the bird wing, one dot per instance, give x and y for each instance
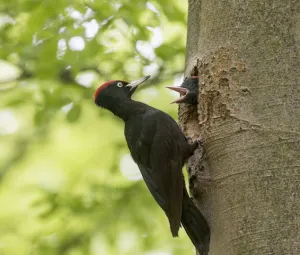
(159, 157)
(166, 186)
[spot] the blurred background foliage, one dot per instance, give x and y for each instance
(67, 182)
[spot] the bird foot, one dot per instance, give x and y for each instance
(196, 144)
(200, 141)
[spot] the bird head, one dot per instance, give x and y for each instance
(117, 89)
(188, 91)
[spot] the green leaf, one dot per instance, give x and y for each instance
(74, 114)
(40, 117)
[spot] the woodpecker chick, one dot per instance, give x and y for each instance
(160, 150)
(188, 91)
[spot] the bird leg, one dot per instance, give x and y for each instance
(200, 142)
(196, 144)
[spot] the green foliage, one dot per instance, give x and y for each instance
(61, 188)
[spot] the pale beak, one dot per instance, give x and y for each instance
(132, 85)
(182, 91)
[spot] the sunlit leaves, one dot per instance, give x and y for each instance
(74, 113)
(61, 189)
(8, 72)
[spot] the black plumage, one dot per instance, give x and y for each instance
(188, 91)
(160, 150)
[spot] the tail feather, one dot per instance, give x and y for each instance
(195, 225)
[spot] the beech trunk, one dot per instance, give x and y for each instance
(247, 54)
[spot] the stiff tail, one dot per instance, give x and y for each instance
(195, 225)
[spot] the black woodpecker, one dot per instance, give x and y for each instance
(188, 91)
(160, 149)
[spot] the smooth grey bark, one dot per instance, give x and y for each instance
(248, 57)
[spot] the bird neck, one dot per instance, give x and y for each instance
(194, 97)
(124, 108)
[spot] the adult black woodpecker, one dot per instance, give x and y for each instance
(188, 91)
(160, 149)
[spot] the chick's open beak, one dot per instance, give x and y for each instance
(182, 91)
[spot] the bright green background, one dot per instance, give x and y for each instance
(61, 189)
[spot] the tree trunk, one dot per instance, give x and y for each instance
(248, 57)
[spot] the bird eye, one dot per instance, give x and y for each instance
(120, 84)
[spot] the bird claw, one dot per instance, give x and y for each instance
(196, 144)
(200, 141)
